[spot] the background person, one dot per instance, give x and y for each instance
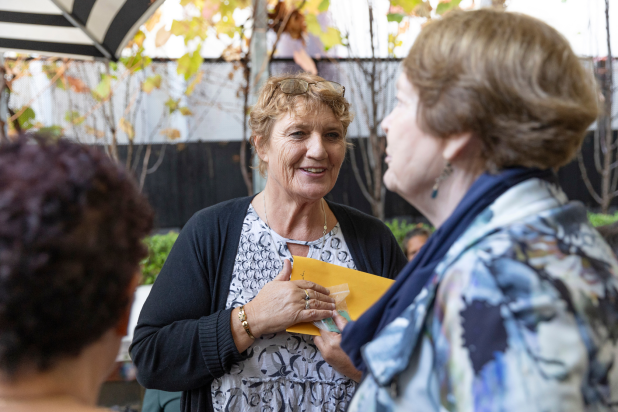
(415, 239)
(234, 256)
(511, 304)
(71, 230)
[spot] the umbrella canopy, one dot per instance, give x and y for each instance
(73, 28)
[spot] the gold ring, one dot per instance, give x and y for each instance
(307, 295)
(306, 305)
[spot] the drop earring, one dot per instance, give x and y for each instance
(446, 172)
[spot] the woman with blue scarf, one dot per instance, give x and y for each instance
(512, 304)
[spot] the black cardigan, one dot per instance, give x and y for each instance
(183, 340)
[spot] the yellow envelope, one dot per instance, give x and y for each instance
(365, 289)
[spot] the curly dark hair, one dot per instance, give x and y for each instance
(71, 228)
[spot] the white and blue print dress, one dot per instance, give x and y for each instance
(283, 371)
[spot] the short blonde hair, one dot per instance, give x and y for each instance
(273, 103)
(510, 80)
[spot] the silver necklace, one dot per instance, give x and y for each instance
(273, 239)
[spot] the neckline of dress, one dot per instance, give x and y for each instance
(280, 238)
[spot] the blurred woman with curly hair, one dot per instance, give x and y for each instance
(71, 229)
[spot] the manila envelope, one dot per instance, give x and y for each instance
(365, 289)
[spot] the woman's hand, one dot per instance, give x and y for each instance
(329, 345)
(280, 304)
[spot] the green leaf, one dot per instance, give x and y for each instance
(26, 119)
(190, 29)
(54, 131)
(172, 104)
(324, 5)
(190, 63)
(151, 83)
(444, 7)
(113, 66)
(331, 38)
(313, 25)
(136, 62)
(599, 219)
(104, 88)
(395, 17)
(73, 117)
(407, 5)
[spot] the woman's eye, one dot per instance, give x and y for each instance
(298, 133)
(333, 135)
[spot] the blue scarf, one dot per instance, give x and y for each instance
(409, 283)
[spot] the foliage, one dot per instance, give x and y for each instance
(401, 229)
(601, 219)
(159, 247)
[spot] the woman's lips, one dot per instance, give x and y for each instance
(313, 171)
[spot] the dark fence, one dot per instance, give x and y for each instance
(196, 175)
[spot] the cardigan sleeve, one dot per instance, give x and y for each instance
(181, 342)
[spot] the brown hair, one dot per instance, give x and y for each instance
(510, 80)
(273, 103)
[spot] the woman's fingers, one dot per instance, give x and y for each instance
(319, 296)
(286, 272)
(340, 321)
(310, 315)
(318, 304)
(305, 284)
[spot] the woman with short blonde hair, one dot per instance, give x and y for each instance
(511, 304)
(214, 324)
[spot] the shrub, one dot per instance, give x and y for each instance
(159, 247)
(401, 229)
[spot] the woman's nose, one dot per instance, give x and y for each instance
(316, 147)
(384, 124)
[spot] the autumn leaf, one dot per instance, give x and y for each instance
(324, 5)
(185, 111)
(151, 83)
(172, 104)
(190, 63)
(139, 38)
(163, 35)
(190, 29)
(232, 53)
(77, 85)
(153, 20)
(446, 5)
(170, 133)
(99, 134)
(331, 38)
(210, 9)
(104, 88)
(73, 117)
(136, 62)
(127, 128)
(196, 80)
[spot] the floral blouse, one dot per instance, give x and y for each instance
(521, 315)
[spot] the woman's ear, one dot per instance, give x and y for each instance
(457, 146)
(123, 323)
(258, 143)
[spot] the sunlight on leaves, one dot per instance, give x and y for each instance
(196, 80)
(73, 117)
(190, 63)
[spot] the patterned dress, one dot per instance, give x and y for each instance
(520, 315)
(283, 371)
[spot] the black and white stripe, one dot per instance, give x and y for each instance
(73, 28)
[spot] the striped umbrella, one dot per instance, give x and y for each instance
(73, 28)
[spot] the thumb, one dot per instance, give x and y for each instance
(286, 272)
(340, 321)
